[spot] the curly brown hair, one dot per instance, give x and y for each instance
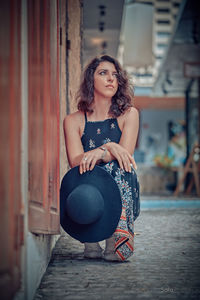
(121, 101)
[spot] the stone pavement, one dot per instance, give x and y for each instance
(165, 264)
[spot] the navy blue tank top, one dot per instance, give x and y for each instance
(97, 133)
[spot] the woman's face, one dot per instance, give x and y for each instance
(105, 80)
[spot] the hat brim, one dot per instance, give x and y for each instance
(105, 226)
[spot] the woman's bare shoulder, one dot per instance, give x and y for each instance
(130, 113)
(74, 118)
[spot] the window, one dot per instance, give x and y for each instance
(162, 34)
(163, 21)
(146, 75)
(161, 45)
(176, 4)
(163, 10)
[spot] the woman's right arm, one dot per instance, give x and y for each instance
(74, 149)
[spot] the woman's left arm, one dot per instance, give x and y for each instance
(124, 150)
(130, 130)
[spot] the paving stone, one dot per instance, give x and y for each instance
(165, 264)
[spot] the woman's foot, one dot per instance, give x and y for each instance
(109, 253)
(93, 250)
(111, 256)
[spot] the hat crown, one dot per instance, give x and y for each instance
(97, 190)
(85, 204)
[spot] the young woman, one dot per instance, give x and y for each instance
(104, 131)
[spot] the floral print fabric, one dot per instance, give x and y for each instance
(129, 190)
(99, 133)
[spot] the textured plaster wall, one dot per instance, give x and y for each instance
(70, 66)
(64, 106)
(74, 53)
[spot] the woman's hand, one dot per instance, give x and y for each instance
(122, 155)
(90, 159)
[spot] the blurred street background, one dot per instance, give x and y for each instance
(158, 44)
(44, 46)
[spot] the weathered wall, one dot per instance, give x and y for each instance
(37, 248)
(64, 107)
(70, 66)
(74, 53)
(36, 251)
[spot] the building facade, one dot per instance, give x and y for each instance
(162, 26)
(40, 56)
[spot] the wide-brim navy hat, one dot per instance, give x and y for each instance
(90, 204)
